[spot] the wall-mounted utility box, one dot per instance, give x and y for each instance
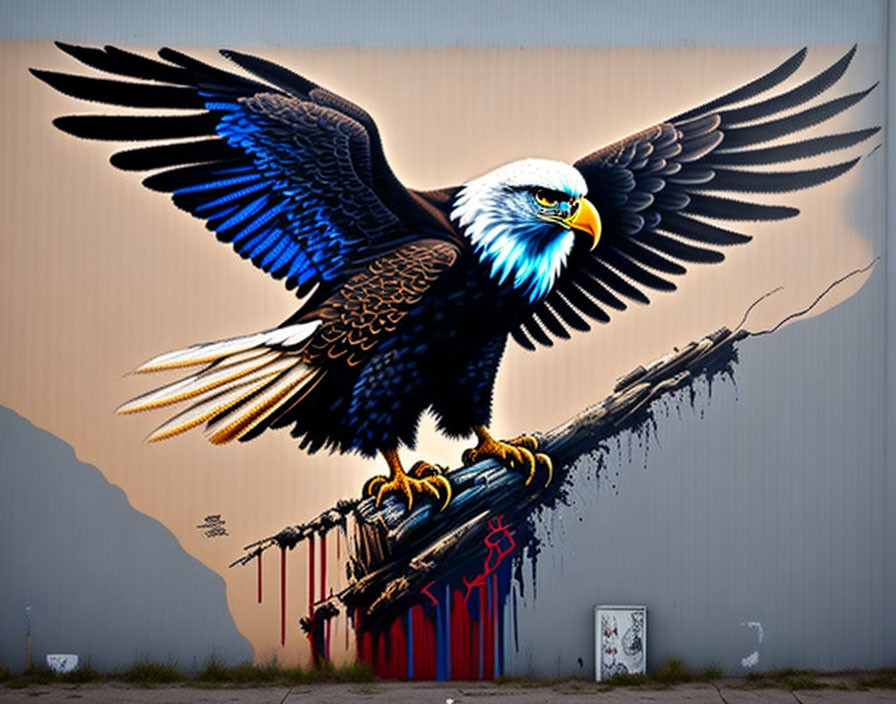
(620, 641)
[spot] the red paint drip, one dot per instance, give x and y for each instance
(323, 588)
(424, 644)
(259, 575)
(463, 650)
(282, 596)
(311, 575)
(323, 566)
(311, 596)
(474, 641)
(496, 628)
(398, 647)
(500, 544)
(488, 640)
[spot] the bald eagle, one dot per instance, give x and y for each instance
(407, 297)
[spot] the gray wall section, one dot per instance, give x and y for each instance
(104, 581)
(399, 23)
(890, 326)
(765, 503)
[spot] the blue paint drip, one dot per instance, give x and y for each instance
(441, 650)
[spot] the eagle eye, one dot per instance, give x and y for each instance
(545, 198)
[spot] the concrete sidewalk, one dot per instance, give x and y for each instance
(573, 692)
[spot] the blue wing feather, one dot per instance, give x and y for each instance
(291, 175)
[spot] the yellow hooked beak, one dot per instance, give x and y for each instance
(586, 219)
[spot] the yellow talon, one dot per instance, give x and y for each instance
(546, 461)
(426, 479)
(519, 453)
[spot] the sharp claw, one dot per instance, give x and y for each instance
(527, 441)
(448, 492)
(468, 457)
(530, 463)
(369, 486)
(427, 486)
(547, 463)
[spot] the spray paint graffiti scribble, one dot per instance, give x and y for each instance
(213, 526)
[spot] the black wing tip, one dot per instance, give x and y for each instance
(68, 124)
(41, 74)
(73, 50)
(237, 57)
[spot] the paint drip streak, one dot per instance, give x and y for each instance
(323, 589)
(314, 654)
(283, 596)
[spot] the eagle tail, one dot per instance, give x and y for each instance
(244, 381)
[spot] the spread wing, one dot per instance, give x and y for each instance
(656, 192)
(246, 384)
(291, 175)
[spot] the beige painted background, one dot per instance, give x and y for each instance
(99, 274)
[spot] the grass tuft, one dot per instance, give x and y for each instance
(674, 671)
(40, 675)
(5, 674)
(81, 674)
(791, 679)
(147, 673)
(882, 679)
(247, 673)
(713, 672)
(215, 672)
(625, 679)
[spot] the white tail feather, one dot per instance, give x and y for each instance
(242, 419)
(289, 336)
(206, 380)
(246, 379)
(206, 409)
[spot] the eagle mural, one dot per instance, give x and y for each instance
(407, 297)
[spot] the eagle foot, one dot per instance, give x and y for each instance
(520, 453)
(423, 478)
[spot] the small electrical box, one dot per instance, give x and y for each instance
(620, 641)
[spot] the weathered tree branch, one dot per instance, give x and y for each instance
(394, 554)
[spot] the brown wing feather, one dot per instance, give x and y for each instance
(373, 303)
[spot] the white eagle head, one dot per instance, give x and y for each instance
(522, 220)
